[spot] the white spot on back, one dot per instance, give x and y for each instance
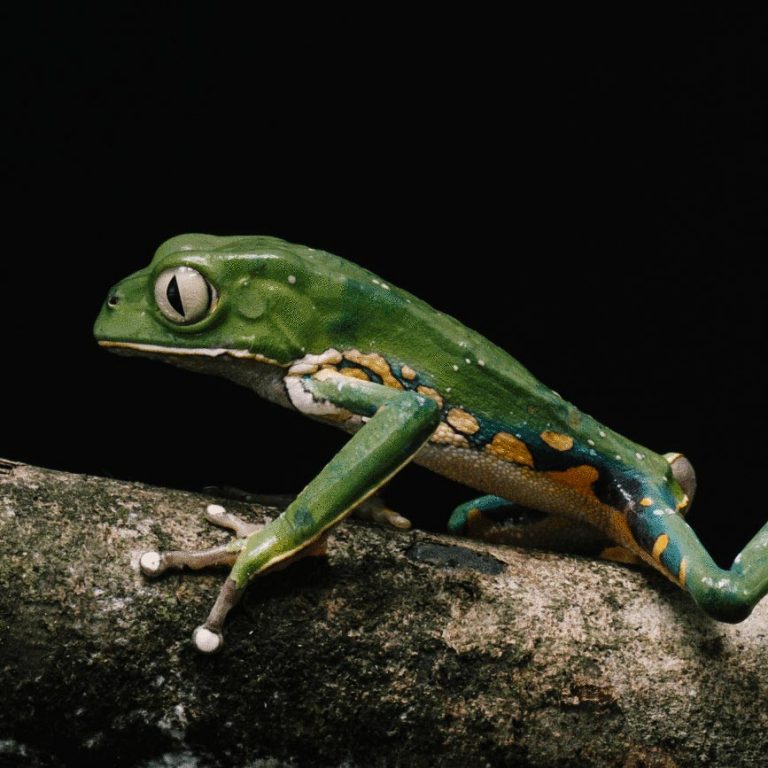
(455, 367)
(292, 279)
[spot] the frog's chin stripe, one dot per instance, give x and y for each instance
(155, 349)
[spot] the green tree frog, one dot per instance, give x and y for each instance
(312, 332)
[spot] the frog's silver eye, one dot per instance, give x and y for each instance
(183, 295)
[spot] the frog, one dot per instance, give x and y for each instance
(310, 331)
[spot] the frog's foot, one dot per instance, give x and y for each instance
(376, 510)
(209, 636)
(155, 563)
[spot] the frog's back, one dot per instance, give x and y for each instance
(489, 401)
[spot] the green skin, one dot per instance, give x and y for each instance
(566, 480)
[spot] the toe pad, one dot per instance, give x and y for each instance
(151, 563)
(207, 641)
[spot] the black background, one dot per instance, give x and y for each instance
(587, 191)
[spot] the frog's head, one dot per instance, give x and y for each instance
(206, 296)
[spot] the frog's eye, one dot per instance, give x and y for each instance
(183, 295)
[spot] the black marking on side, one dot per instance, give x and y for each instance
(454, 558)
(618, 491)
(514, 515)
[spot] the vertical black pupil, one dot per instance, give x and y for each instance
(174, 296)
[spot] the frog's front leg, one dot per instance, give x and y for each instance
(396, 424)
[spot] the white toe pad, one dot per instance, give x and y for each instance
(206, 641)
(150, 563)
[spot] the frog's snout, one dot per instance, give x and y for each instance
(682, 471)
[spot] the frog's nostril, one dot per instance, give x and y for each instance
(113, 300)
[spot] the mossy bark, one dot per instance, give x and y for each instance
(400, 649)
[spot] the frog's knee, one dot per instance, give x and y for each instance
(682, 471)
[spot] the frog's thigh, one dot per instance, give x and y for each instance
(499, 521)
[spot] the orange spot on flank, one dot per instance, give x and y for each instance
(429, 392)
(355, 373)
(660, 545)
(376, 363)
(463, 421)
(557, 440)
(580, 478)
(510, 448)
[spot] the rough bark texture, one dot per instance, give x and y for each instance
(402, 649)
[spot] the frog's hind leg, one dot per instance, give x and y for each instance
(670, 544)
(496, 520)
(155, 563)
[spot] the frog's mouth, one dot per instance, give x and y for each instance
(135, 348)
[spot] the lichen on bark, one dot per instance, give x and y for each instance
(399, 649)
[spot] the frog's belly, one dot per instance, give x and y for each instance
(490, 474)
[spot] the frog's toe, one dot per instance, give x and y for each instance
(152, 564)
(207, 640)
(217, 515)
(208, 637)
(376, 510)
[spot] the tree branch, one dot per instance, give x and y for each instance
(401, 649)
